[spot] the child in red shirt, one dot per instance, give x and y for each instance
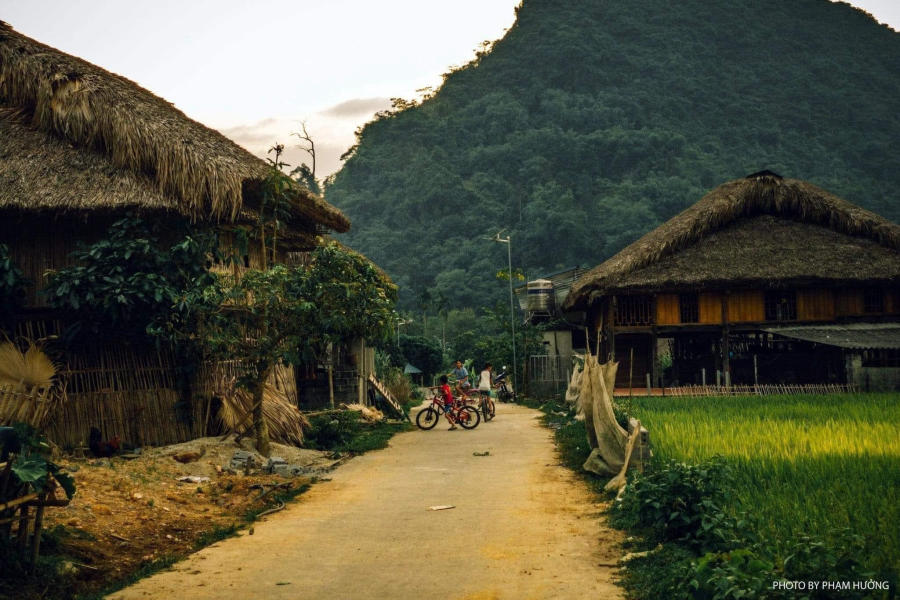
(448, 401)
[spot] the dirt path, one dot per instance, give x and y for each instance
(523, 527)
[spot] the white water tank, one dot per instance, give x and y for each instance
(540, 296)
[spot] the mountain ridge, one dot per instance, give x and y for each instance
(592, 122)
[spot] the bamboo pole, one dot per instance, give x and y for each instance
(36, 541)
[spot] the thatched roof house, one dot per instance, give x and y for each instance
(758, 231)
(756, 261)
(81, 147)
(75, 138)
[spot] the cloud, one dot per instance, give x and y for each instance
(358, 107)
(332, 129)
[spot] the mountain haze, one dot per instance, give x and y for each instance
(592, 121)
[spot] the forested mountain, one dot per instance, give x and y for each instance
(592, 121)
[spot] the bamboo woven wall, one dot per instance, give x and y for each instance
(121, 389)
(40, 245)
(123, 393)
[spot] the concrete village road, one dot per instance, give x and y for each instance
(522, 527)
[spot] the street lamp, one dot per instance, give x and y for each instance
(399, 323)
(512, 315)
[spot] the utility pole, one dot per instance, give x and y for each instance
(512, 313)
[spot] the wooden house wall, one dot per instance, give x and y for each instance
(710, 304)
(815, 305)
(848, 302)
(746, 306)
(892, 302)
(667, 309)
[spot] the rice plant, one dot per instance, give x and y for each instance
(804, 464)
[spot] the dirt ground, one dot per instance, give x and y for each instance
(521, 526)
(130, 511)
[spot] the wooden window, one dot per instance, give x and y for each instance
(634, 310)
(873, 300)
(689, 307)
(781, 306)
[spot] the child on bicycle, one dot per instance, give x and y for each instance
(447, 395)
(462, 378)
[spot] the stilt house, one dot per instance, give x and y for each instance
(79, 148)
(764, 280)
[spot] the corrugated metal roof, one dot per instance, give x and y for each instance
(860, 336)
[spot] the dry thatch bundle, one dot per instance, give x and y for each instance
(285, 421)
(26, 386)
(762, 230)
(368, 413)
(30, 369)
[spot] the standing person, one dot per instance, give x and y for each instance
(485, 383)
(447, 395)
(485, 378)
(462, 377)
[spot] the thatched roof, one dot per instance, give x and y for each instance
(164, 159)
(762, 231)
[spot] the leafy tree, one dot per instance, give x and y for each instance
(130, 280)
(12, 285)
(282, 314)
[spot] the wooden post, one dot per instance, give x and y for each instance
(36, 541)
(631, 372)
(703, 376)
(611, 325)
(649, 388)
(22, 534)
(726, 360)
(654, 358)
(755, 373)
(330, 355)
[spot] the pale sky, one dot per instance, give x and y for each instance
(255, 70)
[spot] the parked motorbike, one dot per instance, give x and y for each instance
(504, 394)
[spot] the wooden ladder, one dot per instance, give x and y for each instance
(381, 389)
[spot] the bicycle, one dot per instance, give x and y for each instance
(467, 416)
(484, 403)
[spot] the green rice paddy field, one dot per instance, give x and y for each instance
(804, 464)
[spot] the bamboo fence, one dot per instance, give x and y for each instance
(760, 390)
(33, 405)
(126, 391)
(123, 393)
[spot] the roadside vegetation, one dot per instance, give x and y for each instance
(742, 492)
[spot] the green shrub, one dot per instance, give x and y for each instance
(679, 502)
(332, 430)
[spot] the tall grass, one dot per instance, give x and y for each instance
(805, 464)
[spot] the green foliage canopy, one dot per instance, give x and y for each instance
(130, 280)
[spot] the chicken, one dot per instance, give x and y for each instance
(99, 447)
(186, 457)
